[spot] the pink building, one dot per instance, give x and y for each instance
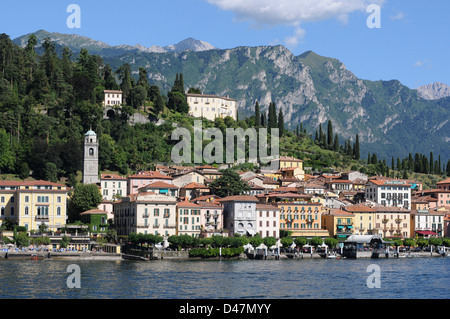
(211, 218)
(145, 178)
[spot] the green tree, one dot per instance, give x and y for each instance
(7, 158)
(286, 241)
(257, 114)
(281, 122)
(230, 183)
(330, 134)
(84, 198)
(300, 241)
(409, 242)
(356, 151)
(315, 241)
(270, 241)
(21, 239)
(51, 172)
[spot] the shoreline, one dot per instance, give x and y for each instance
(114, 257)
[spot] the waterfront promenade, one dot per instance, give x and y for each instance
(182, 255)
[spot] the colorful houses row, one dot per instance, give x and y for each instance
(176, 200)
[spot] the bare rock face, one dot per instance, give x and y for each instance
(434, 91)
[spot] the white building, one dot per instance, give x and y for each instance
(239, 214)
(146, 213)
(211, 106)
(112, 97)
(267, 220)
(113, 186)
(429, 223)
(390, 193)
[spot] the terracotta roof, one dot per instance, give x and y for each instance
(194, 185)
(239, 198)
(159, 184)
(30, 183)
(360, 208)
(266, 206)
(383, 182)
(111, 176)
(210, 96)
(150, 174)
(186, 204)
(339, 212)
(344, 181)
(94, 212)
(445, 181)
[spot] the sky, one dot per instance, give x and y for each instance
(407, 41)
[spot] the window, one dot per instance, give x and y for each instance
(27, 199)
(58, 211)
(26, 210)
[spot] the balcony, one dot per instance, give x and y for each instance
(169, 226)
(385, 221)
(142, 226)
(156, 225)
(398, 220)
(42, 218)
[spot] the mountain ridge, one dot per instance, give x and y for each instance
(95, 47)
(390, 118)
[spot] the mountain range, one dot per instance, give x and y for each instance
(390, 118)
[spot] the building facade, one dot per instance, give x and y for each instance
(32, 203)
(240, 214)
(112, 97)
(146, 213)
(267, 220)
(188, 217)
(390, 193)
(338, 222)
(211, 106)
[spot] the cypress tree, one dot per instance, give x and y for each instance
(281, 122)
(356, 148)
(336, 143)
(257, 114)
(431, 163)
(330, 135)
(448, 168)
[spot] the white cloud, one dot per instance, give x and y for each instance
(424, 63)
(292, 12)
(398, 16)
(293, 40)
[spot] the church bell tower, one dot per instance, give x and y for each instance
(90, 158)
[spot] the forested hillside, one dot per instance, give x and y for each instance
(49, 100)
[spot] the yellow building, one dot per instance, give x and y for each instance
(380, 220)
(287, 167)
(338, 222)
(301, 218)
(363, 218)
(32, 203)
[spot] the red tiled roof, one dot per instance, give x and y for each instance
(445, 181)
(94, 212)
(186, 204)
(150, 174)
(194, 185)
(159, 184)
(111, 176)
(239, 198)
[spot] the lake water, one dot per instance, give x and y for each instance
(403, 278)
